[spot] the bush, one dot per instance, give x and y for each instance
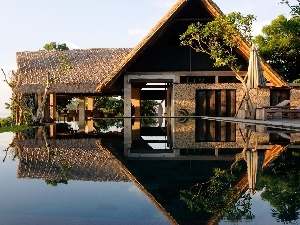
(6, 122)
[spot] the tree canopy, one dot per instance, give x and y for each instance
(279, 45)
(56, 46)
(295, 9)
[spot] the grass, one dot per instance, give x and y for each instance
(13, 128)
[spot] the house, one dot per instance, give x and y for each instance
(188, 80)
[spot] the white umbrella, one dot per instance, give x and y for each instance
(255, 76)
(255, 159)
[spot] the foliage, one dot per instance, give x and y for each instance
(13, 128)
(279, 45)
(55, 46)
(220, 37)
(62, 103)
(280, 186)
(115, 107)
(217, 196)
(110, 106)
(5, 122)
(20, 104)
(54, 183)
(149, 108)
(101, 125)
(295, 9)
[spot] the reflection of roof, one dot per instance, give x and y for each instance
(89, 68)
(138, 184)
(69, 159)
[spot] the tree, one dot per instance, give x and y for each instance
(219, 39)
(295, 9)
(280, 186)
(64, 67)
(218, 197)
(279, 45)
(53, 46)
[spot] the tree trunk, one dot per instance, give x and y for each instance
(38, 118)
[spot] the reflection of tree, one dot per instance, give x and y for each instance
(280, 185)
(64, 166)
(64, 171)
(104, 124)
(218, 197)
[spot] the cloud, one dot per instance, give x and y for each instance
(71, 45)
(165, 3)
(7, 68)
(138, 31)
(134, 189)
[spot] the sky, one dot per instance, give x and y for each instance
(27, 25)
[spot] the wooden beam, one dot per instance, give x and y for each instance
(189, 73)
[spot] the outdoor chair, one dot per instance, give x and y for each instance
(281, 111)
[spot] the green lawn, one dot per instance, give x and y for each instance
(13, 128)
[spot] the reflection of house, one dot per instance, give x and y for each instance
(80, 159)
(67, 159)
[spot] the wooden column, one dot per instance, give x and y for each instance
(136, 101)
(81, 114)
(90, 106)
(47, 111)
(53, 130)
(52, 99)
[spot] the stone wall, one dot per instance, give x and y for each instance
(185, 98)
(295, 96)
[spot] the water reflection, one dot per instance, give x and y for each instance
(187, 178)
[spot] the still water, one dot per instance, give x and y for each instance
(137, 172)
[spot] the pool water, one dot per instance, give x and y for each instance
(76, 178)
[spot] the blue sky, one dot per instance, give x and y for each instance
(29, 25)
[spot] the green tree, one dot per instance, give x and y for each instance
(219, 39)
(51, 78)
(55, 46)
(149, 108)
(279, 45)
(218, 197)
(280, 186)
(295, 9)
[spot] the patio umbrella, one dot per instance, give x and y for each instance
(255, 159)
(255, 73)
(255, 76)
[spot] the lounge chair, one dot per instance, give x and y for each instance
(274, 111)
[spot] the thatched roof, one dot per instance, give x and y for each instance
(67, 159)
(90, 67)
(161, 26)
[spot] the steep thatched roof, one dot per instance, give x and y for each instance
(90, 67)
(161, 26)
(67, 159)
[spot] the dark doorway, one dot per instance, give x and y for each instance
(215, 103)
(278, 95)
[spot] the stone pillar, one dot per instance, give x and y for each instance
(52, 99)
(136, 102)
(81, 114)
(127, 114)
